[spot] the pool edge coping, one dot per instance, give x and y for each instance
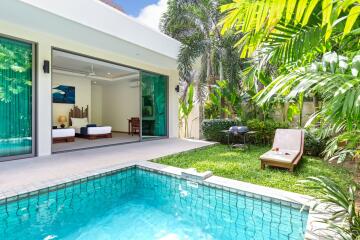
(299, 201)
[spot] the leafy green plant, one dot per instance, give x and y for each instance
(212, 128)
(265, 129)
(314, 144)
(223, 100)
(345, 202)
(343, 147)
(186, 106)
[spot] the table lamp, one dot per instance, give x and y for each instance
(62, 119)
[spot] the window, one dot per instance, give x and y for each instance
(16, 98)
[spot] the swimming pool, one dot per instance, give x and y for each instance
(136, 203)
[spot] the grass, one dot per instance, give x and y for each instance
(244, 165)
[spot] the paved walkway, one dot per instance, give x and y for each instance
(14, 174)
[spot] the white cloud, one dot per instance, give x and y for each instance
(151, 14)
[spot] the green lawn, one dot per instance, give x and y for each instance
(244, 165)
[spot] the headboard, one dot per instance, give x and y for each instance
(76, 112)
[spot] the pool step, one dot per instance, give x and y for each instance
(192, 173)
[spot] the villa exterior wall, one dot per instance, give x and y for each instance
(45, 42)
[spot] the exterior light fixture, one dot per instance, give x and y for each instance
(177, 88)
(46, 66)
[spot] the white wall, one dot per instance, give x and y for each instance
(97, 104)
(44, 103)
(120, 102)
(82, 95)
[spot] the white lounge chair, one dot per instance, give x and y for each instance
(287, 150)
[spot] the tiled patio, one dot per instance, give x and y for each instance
(15, 175)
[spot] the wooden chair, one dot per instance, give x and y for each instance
(135, 126)
(287, 151)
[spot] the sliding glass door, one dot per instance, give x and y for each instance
(154, 89)
(16, 98)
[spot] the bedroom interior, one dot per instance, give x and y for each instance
(95, 103)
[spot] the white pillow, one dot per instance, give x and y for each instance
(79, 122)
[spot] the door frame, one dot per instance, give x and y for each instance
(140, 98)
(166, 104)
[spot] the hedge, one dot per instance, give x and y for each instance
(265, 131)
(212, 128)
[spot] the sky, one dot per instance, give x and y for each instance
(147, 12)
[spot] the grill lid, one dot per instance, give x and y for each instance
(243, 129)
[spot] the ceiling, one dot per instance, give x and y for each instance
(99, 71)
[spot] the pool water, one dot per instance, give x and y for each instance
(139, 204)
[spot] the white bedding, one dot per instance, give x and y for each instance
(95, 130)
(63, 132)
(99, 130)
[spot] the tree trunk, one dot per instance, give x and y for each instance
(201, 112)
(283, 112)
(221, 77)
(186, 127)
(316, 109)
(301, 106)
(201, 119)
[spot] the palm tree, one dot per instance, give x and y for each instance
(194, 24)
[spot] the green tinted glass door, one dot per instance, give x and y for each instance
(16, 78)
(154, 105)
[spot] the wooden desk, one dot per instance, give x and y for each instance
(129, 126)
(132, 126)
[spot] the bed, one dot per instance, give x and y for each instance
(78, 119)
(60, 135)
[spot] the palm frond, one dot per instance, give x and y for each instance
(290, 43)
(259, 19)
(344, 202)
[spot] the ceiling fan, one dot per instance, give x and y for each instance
(92, 73)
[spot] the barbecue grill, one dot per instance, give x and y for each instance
(237, 132)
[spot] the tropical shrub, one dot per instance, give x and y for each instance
(212, 128)
(344, 146)
(265, 129)
(348, 228)
(314, 145)
(223, 100)
(186, 106)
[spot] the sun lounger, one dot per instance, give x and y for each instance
(287, 151)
